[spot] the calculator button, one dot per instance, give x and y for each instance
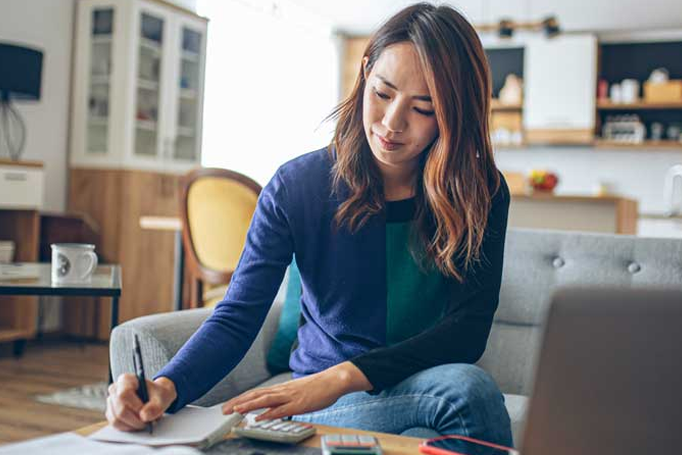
(347, 438)
(297, 429)
(268, 424)
(366, 439)
(279, 426)
(288, 427)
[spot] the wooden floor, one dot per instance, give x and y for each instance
(46, 367)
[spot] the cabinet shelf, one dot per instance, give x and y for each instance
(150, 45)
(640, 105)
(146, 125)
(185, 131)
(496, 105)
(102, 39)
(657, 145)
(147, 84)
(188, 93)
(190, 56)
(509, 146)
(98, 120)
(100, 79)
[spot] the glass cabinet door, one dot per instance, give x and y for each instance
(99, 87)
(148, 85)
(187, 127)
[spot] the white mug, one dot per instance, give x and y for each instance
(73, 262)
(629, 91)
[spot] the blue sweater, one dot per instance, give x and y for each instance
(343, 277)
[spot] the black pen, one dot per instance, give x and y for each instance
(139, 372)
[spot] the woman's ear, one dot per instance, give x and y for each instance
(365, 72)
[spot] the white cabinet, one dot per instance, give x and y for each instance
(560, 88)
(138, 86)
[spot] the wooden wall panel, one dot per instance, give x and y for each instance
(116, 199)
(147, 256)
(352, 58)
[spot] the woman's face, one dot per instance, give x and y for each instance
(397, 111)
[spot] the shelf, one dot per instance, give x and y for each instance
(150, 45)
(185, 131)
(662, 145)
(641, 105)
(94, 120)
(496, 105)
(190, 56)
(147, 125)
(102, 39)
(509, 146)
(188, 93)
(147, 84)
(100, 79)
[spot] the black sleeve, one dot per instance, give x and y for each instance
(461, 335)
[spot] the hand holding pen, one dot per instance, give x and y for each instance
(141, 379)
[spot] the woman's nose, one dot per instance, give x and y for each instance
(394, 118)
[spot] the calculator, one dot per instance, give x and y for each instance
(350, 444)
(276, 430)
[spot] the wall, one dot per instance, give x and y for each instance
(47, 25)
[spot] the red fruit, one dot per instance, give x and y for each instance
(550, 182)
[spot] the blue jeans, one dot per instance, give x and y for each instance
(448, 399)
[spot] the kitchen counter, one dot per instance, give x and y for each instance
(543, 210)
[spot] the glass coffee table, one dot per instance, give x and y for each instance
(34, 279)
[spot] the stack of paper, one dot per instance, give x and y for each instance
(191, 426)
(71, 443)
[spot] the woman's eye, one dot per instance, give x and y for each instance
(383, 96)
(422, 112)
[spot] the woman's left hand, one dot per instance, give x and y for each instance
(298, 396)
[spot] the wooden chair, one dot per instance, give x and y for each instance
(217, 207)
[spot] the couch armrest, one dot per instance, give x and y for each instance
(162, 335)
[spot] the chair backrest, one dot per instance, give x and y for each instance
(217, 207)
(537, 262)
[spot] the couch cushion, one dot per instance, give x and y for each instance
(517, 406)
(287, 328)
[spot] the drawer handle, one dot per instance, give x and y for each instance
(16, 177)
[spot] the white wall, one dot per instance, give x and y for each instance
(47, 25)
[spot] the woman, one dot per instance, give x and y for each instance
(398, 230)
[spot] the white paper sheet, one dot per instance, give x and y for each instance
(191, 425)
(71, 443)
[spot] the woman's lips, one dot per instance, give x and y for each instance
(388, 145)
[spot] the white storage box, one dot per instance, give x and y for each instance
(21, 185)
(6, 252)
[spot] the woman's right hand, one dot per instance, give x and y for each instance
(125, 410)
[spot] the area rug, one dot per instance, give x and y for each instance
(89, 396)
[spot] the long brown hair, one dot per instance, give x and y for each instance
(459, 176)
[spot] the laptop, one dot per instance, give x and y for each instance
(609, 378)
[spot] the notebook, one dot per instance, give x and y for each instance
(191, 426)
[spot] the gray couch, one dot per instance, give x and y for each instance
(536, 263)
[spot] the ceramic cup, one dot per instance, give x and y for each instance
(73, 263)
(629, 91)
